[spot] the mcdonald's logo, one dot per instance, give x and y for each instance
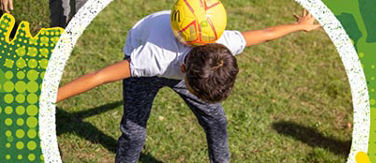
(175, 16)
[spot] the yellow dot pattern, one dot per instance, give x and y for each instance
(23, 62)
(362, 157)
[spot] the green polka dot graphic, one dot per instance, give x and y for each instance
(23, 60)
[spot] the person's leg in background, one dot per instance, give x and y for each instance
(59, 12)
(63, 10)
(75, 5)
(213, 120)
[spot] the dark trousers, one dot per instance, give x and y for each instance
(138, 97)
(63, 10)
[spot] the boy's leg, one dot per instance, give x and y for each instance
(138, 94)
(213, 119)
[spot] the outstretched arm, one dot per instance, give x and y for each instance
(306, 22)
(89, 81)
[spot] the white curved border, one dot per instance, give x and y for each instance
(354, 71)
(90, 10)
(54, 73)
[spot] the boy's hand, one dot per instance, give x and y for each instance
(307, 21)
(7, 5)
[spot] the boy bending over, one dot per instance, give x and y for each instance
(203, 76)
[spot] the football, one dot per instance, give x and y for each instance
(198, 22)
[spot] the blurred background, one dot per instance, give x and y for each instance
(291, 102)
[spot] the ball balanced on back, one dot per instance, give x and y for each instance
(198, 22)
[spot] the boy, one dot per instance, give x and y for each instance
(203, 76)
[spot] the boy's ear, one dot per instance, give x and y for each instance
(182, 68)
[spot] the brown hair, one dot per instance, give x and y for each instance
(211, 72)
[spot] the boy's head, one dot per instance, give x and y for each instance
(210, 72)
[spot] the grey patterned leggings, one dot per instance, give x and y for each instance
(139, 94)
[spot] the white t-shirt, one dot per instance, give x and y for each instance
(154, 50)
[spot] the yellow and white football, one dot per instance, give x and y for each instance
(198, 22)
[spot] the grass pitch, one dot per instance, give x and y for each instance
(291, 101)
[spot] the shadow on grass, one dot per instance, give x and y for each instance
(312, 137)
(73, 123)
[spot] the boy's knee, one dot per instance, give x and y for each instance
(220, 121)
(218, 116)
(214, 116)
(134, 132)
(216, 123)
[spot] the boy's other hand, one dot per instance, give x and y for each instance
(7, 5)
(307, 21)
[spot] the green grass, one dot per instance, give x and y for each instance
(291, 102)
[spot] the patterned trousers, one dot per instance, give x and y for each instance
(138, 97)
